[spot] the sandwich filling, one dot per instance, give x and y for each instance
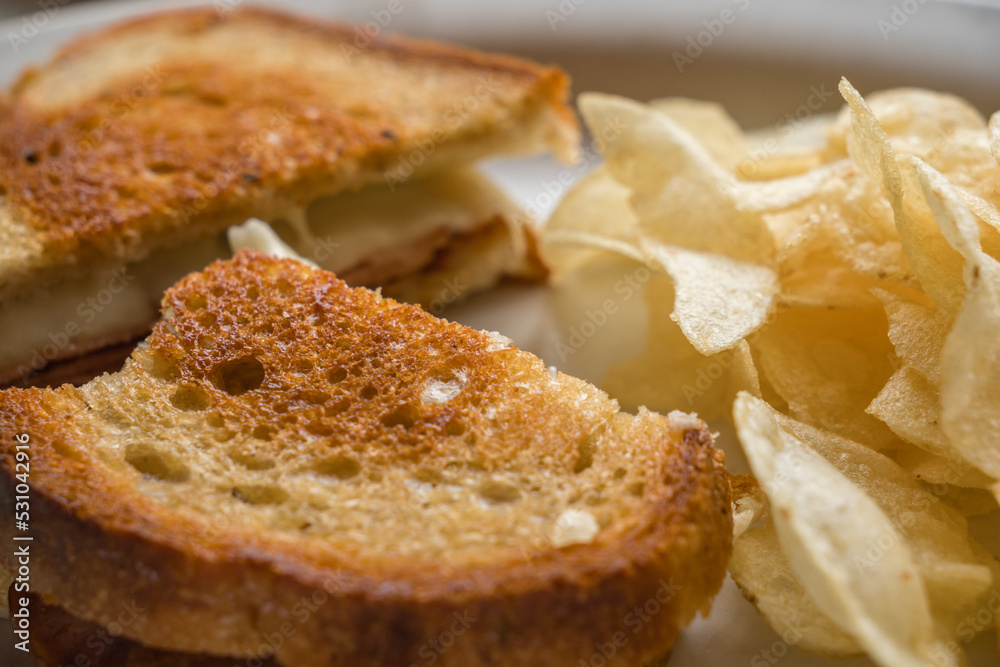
(418, 242)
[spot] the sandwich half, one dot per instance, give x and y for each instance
(288, 468)
(124, 159)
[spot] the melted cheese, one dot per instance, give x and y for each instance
(118, 303)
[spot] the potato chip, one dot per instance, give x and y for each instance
(911, 407)
(710, 124)
(762, 572)
(970, 378)
(969, 502)
(829, 365)
(917, 333)
(697, 383)
(937, 265)
(680, 194)
(718, 300)
(787, 149)
(722, 294)
(956, 570)
(593, 214)
(867, 143)
(852, 562)
(744, 375)
(938, 470)
(941, 129)
(857, 265)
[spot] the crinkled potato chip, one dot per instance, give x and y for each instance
(787, 149)
(829, 365)
(909, 405)
(956, 570)
(937, 470)
(867, 143)
(680, 194)
(762, 572)
(594, 215)
(828, 528)
(710, 124)
(917, 333)
(698, 383)
(970, 378)
(718, 300)
(941, 129)
(855, 260)
(937, 265)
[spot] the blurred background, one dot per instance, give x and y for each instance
(766, 60)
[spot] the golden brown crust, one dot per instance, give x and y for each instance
(213, 131)
(101, 543)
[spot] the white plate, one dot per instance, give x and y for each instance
(762, 59)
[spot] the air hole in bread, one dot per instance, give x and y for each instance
(264, 432)
(320, 429)
(162, 168)
(55, 180)
(284, 287)
(620, 472)
(314, 397)
(497, 490)
(636, 488)
(206, 342)
(215, 420)
(260, 494)
(405, 416)
(455, 427)
(160, 367)
(337, 408)
(190, 397)
(155, 463)
(55, 149)
(196, 302)
(3, 191)
(223, 434)
(341, 467)
(267, 329)
(337, 375)
(303, 366)
(585, 451)
(251, 460)
(238, 376)
(369, 392)
(207, 319)
(253, 292)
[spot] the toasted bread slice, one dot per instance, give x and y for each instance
(165, 130)
(282, 443)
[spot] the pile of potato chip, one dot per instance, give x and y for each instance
(835, 288)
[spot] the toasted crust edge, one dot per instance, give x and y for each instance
(685, 554)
